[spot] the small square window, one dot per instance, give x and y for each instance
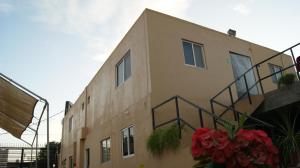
(275, 69)
(123, 69)
(128, 141)
(193, 54)
(105, 150)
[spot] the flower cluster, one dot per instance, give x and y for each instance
(249, 148)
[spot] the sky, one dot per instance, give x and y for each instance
(55, 47)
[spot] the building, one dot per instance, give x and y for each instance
(3, 157)
(160, 57)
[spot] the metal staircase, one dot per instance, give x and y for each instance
(228, 106)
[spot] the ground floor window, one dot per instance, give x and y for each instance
(128, 141)
(87, 158)
(71, 164)
(63, 164)
(105, 150)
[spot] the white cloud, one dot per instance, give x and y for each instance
(100, 23)
(243, 7)
(5, 8)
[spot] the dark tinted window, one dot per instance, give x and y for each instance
(188, 53)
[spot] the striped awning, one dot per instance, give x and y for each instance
(16, 108)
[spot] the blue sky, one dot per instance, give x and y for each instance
(54, 47)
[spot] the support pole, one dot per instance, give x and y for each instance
(48, 148)
(36, 147)
(177, 115)
(295, 63)
(153, 119)
(31, 156)
(22, 157)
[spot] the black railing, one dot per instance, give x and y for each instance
(179, 120)
(217, 119)
(255, 68)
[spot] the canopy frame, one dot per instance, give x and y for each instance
(45, 108)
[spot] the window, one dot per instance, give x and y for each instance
(70, 123)
(128, 141)
(82, 106)
(87, 158)
(274, 69)
(64, 163)
(105, 150)
(123, 69)
(193, 54)
(89, 100)
(71, 162)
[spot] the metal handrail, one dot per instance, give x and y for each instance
(256, 66)
(201, 110)
(218, 118)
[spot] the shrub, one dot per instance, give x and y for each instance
(287, 80)
(164, 139)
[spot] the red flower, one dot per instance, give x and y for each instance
(242, 159)
(231, 163)
(218, 157)
(249, 148)
(197, 151)
(229, 150)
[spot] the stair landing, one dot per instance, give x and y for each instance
(247, 108)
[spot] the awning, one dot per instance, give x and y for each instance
(16, 108)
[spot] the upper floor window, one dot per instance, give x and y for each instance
(105, 150)
(89, 99)
(128, 141)
(82, 106)
(71, 123)
(193, 54)
(274, 69)
(123, 69)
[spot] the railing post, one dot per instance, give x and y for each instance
(259, 79)
(247, 89)
(213, 112)
(153, 119)
(200, 117)
(22, 156)
(232, 104)
(295, 63)
(177, 115)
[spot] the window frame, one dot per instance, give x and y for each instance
(122, 60)
(82, 106)
(101, 154)
(128, 142)
(194, 57)
(271, 68)
(87, 158)
(71, 123)
(88, 99)
(71, 162)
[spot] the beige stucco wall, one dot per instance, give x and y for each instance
(157, 73)
(113, 108)
(170, 76)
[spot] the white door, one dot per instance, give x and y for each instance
(240, 64)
